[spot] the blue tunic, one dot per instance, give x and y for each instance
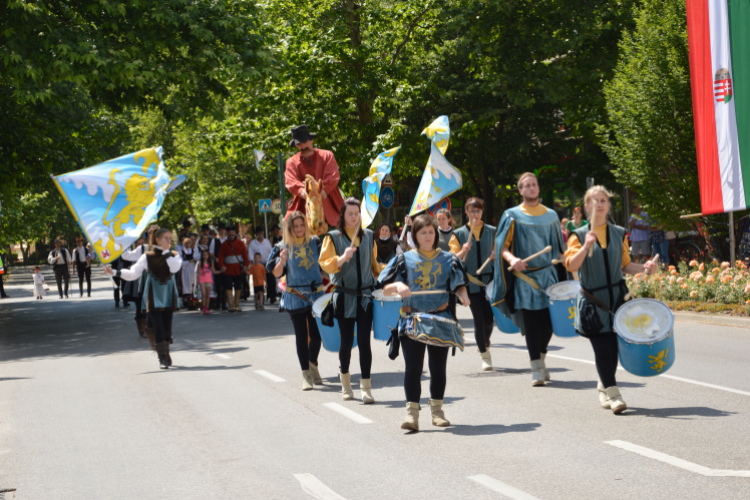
(479, 252)
(302, 272)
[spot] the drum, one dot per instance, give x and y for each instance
(504, 324)
(562, 307)
(434, 330)
(330, 335)
(385, 314)
(645, 337)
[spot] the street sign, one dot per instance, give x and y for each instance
(265, 205)
(276, 206)
(386, 197)
(387, 181)
(444, 203)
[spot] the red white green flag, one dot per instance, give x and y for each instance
(719, 44)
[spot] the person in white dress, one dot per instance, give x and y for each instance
(190, 257)
(38, 283)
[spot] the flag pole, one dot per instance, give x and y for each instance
(731, 239)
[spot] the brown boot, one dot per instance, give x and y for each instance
(237, 297)
(150, 334)
(162, 349)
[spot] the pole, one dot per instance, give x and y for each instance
(265, 217)
(388, 217)
(731, 239)
(282, 186)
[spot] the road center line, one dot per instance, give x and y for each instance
(502, 488)
(222, 356)
(269, 376)
(677, 462)
(191, 342)
(313, 487)
(352, 415)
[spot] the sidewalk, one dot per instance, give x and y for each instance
(712, 319)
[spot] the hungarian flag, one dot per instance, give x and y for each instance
(719, 43)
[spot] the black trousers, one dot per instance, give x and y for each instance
(271, 288)
(437, 361)
(484, 321)
(605, 354)
(62, 273)
(305, 324)
(221, 297)
(138, 302)
(162, 324)
(83, 272)
(120, 283)
(537, 331)
(2, 290)
(233, 282)
(364, 327)
(245, 286)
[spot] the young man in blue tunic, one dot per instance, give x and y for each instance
(519, 293)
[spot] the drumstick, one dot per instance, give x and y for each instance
(359, 224)
(479, 271)
(532, 257)
(471, 237)
(654, 260)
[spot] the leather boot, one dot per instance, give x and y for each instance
(316, 378)
(615, 400)
(365, 386)
(486, 361)
(237, 297)
(346, 386)
(230, 301)
(150, 334)
(307, 381)
(412, 417)
(544, 363)
(436, 410)
(167, 355)
(161, 351)
(603, 399)
(537, 373)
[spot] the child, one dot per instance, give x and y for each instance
(258, 271)
(206, 268)
(38, 283)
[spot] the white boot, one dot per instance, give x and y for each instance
(603, 399)
(316, 378)
(346, 386)
(544, 362)
(365, 386)
(486, 361)
(537, 373)
(412, 417)
(307, 382)
(615, 400)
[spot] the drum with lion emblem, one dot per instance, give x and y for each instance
(645, 337)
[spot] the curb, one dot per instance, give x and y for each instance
(712, 319)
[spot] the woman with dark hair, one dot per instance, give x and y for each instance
(388, 247)
(160, 288)
(349, 255)
(445, 229)
(426, 268)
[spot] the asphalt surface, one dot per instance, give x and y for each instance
(86, 413)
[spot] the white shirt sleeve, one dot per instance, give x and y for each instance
(135, 270)
(174, 262)
(132, 255)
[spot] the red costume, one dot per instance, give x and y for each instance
(322, 166)
(232, 255)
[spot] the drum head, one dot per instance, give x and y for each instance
(644, 321)
(321, 304)
(488, 290)
(565, 290)
(379, 296)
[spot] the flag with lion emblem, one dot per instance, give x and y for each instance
(115, 201)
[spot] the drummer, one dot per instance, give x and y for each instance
(602, 287)
(297, 257)
(349, 255)
(426, 268)
(474, 244)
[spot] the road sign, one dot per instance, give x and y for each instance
(386, 197)
(444, 203)
(276, 206)
(387, 181)
(265, 205)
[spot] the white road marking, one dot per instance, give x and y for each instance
(502, 488)
(222, 356)
(191, 342)
(269, 376)
(677, 462)
(313, 487)
(352, 415)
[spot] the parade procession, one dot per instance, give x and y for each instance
(460, 250)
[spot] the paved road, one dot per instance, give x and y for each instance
(85, 413)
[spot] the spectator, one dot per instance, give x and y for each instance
(233, 264)
(387, 246)
(119, 264)
(263, 247)
(221, 301)
(82, 259)
(259, 274)
(639, 234)
(38, 283)
(3, 295)
(564, 225)
(190, 257)
(660, 243)
(275, 234)
(60, 260)
(577, 221)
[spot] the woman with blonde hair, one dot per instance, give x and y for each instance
(599, 253)
(297, 256)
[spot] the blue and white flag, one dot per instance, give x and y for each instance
(115, 201)
(440, 178)
(371, 185)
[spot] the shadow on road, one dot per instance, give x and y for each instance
(585, 385)
(487, 429)
(684, 413)
(177, 368)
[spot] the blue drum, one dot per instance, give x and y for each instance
(562, 307)
(504, 324)
(330, 335)
(434, 330)
(385, 314)
(645, 337)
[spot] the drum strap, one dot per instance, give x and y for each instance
(596, 301)
(301, 294)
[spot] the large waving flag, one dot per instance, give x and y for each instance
(115, 201)
(719, 43)
(440, 178)
(371, 185)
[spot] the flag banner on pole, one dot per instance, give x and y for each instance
(719, 44)
(371, 185)
(258, 154)
(440, 178)
(115, 201)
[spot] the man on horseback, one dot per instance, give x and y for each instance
(321, 165)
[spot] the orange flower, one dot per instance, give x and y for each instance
(673, 272)
(680, 280)
(747, 289)
(684, 286)
(724, 265)
(693, 294)
(693, 263)
(702, 267)
(716, 270)
(726, 279)
(672, 268)
(709, 279)
(671, 280)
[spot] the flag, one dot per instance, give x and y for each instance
(114, 201)
(371, 185)
(440, 178)
(258, 154)
(719, 45)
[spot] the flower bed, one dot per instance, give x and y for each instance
(710, 287)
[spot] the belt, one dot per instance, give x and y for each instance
(351, 291)
(233, 259)
(301, 294)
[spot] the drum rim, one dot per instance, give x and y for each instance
(569, 282)
(378, 298)
(315, 313)
(662, 335)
